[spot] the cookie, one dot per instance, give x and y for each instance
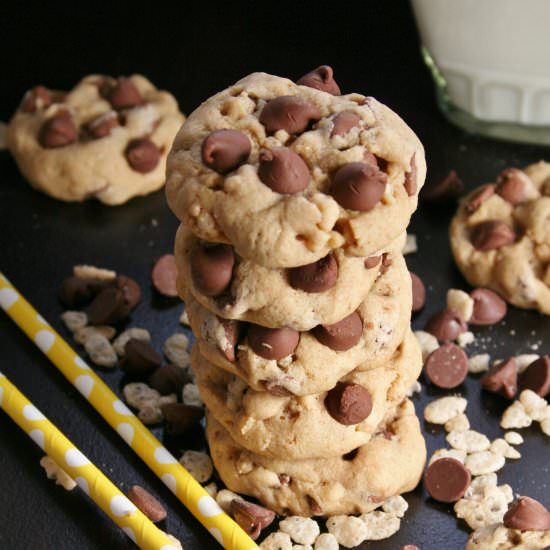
(312, 367)
(309, 426)
(500, 237)
(389, 464)
(498, 536)
(105, 139)
(299, 298)
(274, 168)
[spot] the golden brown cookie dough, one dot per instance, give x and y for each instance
(499, 537)
(106, 139)
(278, 184)
(391, 463)
(312, 367)
(500, 237)
(303, 427)
(266, 296)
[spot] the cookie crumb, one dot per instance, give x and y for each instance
(55, 472)
(198, 464)
(85, 271)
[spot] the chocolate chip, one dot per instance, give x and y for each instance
(212, 268)
(169, 379)
(232, 330)
(123, 94)
(369, 158)
(316, 510)
(102, 125)
(272, 343)
(251, 517)
(446, 190)
(147, 503)
(445, 325)
(109, 306)
(418, 292)
(37, 98)
(276, 389)
(358, 186)
(342, 335)
(489, 307)
(446, 367)
(290, 113)
(180, 418)
(502, 378)
(348, 403)
(536, 376)
(492, 234)
(479, 197)
(410, 178)
(58, 131)
(142, 155)
(140, 358)
(386, 263)
(319, 276)
(511, 185)
(77, 291)
(344, 122)
(164, 276)
(225, 150)
(322, 79)
(527, 514)
(447, 479)
(372, 261)
(283, 171)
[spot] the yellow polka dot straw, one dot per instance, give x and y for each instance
(128, 426)
(89, 478)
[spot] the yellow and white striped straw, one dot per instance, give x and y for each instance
(89, 478)
(191, 493)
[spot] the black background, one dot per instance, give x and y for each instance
(194, 50)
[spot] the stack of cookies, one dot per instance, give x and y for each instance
(294, 200)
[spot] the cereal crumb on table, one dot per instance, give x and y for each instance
(55, 472)
(85, 271)
(198, 464)
(301, 530)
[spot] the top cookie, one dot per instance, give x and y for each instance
(106, 139)
(500, 236)
(286, 172)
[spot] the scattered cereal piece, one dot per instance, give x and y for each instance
(415, 388)
(211, 489)
(396, 506)
(428, 342)
(224, 499)
(448, 453)
(100, 350)
(147, 503)
(410, 246)
(198, 464)
(184, 318)
(175, 349)
(545, 426)
(478, 363)
(486, 505)
(81, 335)
(501, 447)
(380, 525)
(133, 333)
(190, 395)
(460, 303)
(349, 531)
(458, 423)
(465, 338)
(515, 416)
(302, 547)
(484, 462)
(55, 472)
(150, 414)
(514, 438)
(534, 405)
(326, 541)
(138, 395)
(91, 272)
(301, 530)
(524, 360)
(469, 441)
(443, 409)
(276, 541)
(74, 319)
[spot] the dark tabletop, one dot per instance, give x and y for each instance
(195, 51)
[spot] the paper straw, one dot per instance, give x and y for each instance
(89, 478)
(189, 491)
